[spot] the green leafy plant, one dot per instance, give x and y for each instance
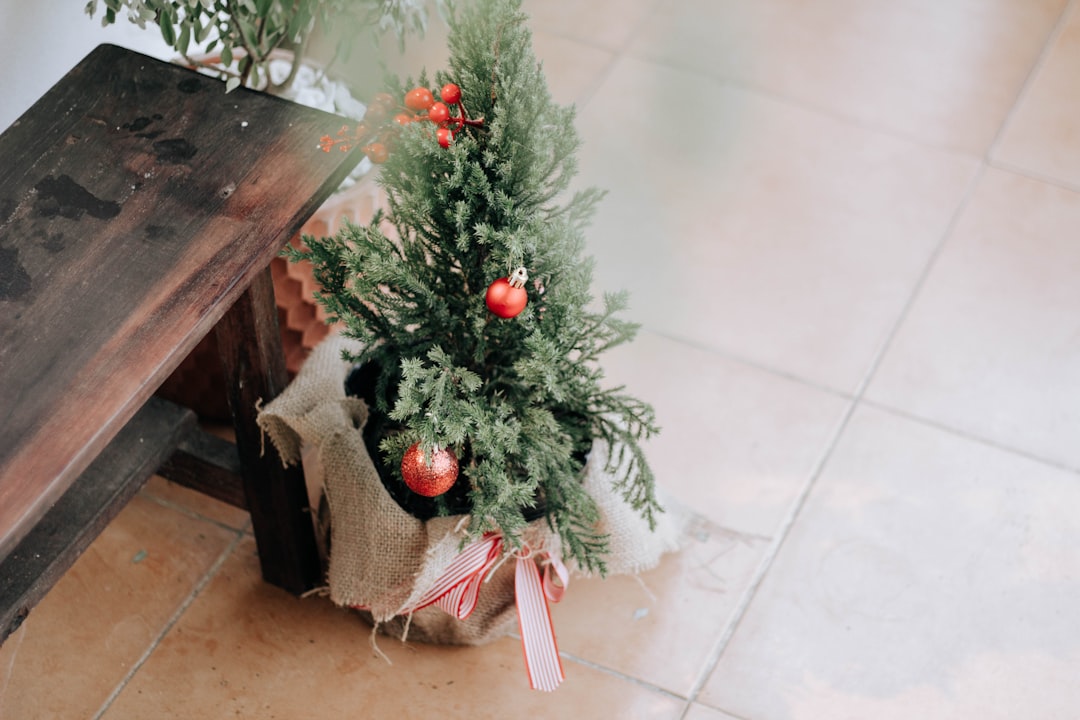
(479, 185)
(245, 33)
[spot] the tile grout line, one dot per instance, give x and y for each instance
(616, 55)
(969, 436)
(620, 675)
(1058, 183)
(641, 25)
(189, 513)
(920, 281)
(769, 557)
(854, 121)
(1055, 32)
(580, 102)
(590, 92)
(810, 107)
(172, 621)
(614, 50)
(796, 508)
(577, 660)
(748, 362)
(1037, 66)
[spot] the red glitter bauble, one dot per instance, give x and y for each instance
(427, 479)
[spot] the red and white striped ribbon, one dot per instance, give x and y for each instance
(554, 591)
(457, 590)
(534, 621)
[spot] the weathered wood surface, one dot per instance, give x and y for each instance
(137, 202)
(96, 497)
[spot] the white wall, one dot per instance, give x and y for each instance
(40, 40)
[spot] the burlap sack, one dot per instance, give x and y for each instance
(384, 559)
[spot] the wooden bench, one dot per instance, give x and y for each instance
(140, 206)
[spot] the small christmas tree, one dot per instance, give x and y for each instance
(474, 362)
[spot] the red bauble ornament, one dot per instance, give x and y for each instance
(429, 480)
(450, 94)
(419, 99)
(506, 297)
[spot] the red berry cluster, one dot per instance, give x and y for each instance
(442, 112)
(378, 129)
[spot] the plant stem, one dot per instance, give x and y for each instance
(298, 56)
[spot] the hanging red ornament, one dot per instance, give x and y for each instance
(506, 297)
(427, 479)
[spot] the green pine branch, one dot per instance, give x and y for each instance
(520, 401)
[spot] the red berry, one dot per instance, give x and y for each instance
(377, 152)
(445, 136)
(403, 119)
(380, 107)
(438, 113)
(374, 114)
(450, 94)
(419, 99)
(504, 299)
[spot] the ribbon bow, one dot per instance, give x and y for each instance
(457, 590)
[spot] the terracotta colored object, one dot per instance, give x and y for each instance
(198, 383)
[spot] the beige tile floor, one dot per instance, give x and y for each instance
(852, 233)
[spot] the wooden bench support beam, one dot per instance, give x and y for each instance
(96, 497)
(208, 464)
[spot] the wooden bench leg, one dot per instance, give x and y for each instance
(250, 346)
